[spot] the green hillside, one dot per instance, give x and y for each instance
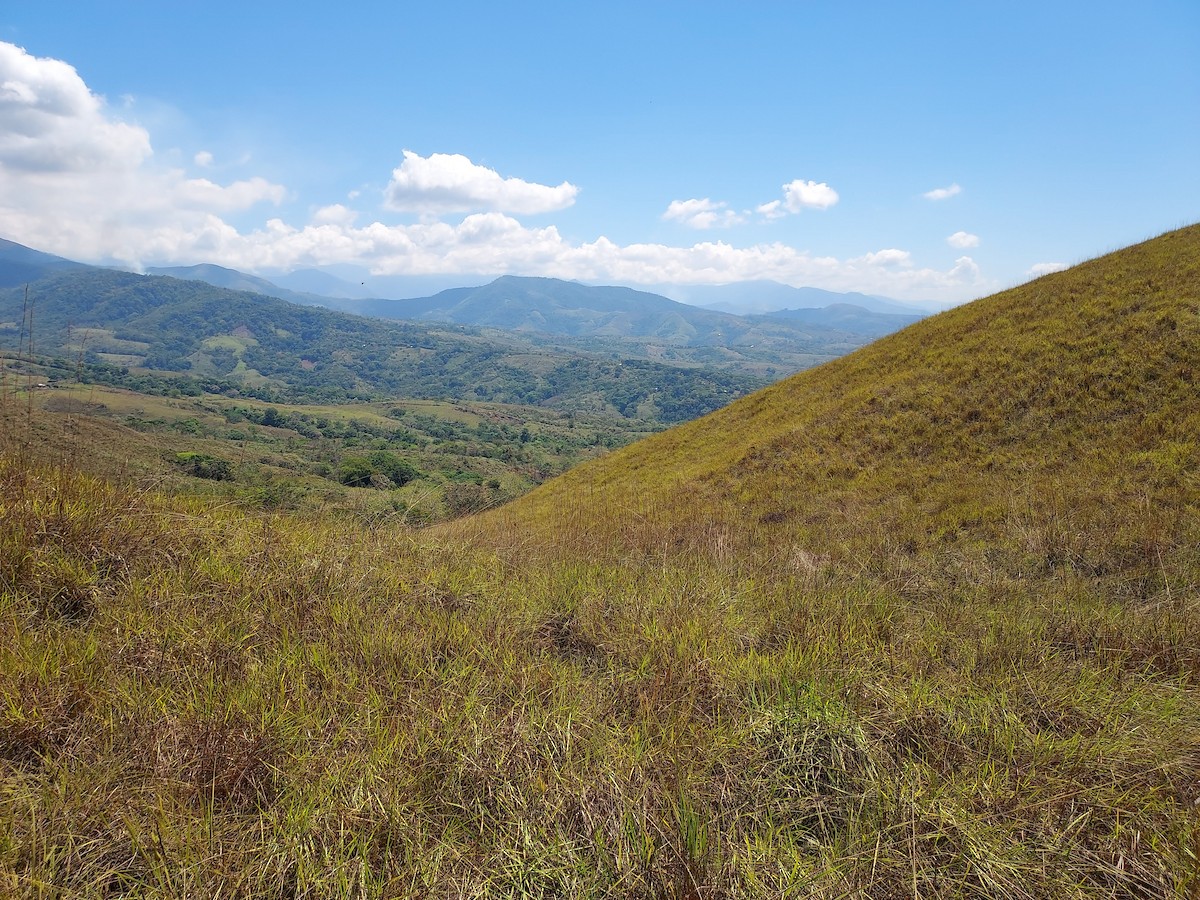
(646, 325)
(224, 341)
(924, 622)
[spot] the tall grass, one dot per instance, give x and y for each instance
(886, 680)
(198, 702)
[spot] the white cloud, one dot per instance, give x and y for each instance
(203, 159)
(798, 195)
(889, 257)
(200, 193)
(943, 193)
(494, 244)
(965, 270)
(771, 211)
(77, 180)
(448, 183)
(1045, 268)
(701, 214)
(334, 214)
(962, 240)
(50, 121)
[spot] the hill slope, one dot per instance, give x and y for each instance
(219, 276)
(1065, 407)
(628, 318)
(263, 344)
(921, 623)
(20, 264)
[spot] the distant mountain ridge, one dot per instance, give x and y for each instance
(618, 322)
(759, 297)
(120, 325)
(569, 308)
(219, 276)
(518, 303)
(20, 264)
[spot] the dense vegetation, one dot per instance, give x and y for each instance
(422, 460)
(115, 327)
(921, 622)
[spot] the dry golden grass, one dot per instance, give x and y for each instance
(937, 636)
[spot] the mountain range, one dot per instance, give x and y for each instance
(757, 297)
(215, 322)
(622, 320)
(569, 308)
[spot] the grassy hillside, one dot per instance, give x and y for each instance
(1063, 413)
(923, 622)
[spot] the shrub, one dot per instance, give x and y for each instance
(201, 465)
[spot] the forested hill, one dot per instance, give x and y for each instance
(650, 322)
(277, 349)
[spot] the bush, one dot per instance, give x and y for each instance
(355, 471)
(380, 467)
(398, 470)
(201, 465)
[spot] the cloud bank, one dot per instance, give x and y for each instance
(78, 180)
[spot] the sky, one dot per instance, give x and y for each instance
(925, 151)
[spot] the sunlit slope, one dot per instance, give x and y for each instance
(1067, 404)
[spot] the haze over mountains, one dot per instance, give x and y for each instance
(757, 297)
(555, 306)
(519, 315)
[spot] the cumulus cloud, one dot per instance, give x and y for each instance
(449, 182)
(962, 240)
(771, 211)
(798, 195)
(965, 270)
(77, 180)
(889, 257)
(334, 214)
(943, 193)
(1037, 270)
(701, 214)
(200, 193)
(51, 122)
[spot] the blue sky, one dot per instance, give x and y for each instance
(924, 151)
